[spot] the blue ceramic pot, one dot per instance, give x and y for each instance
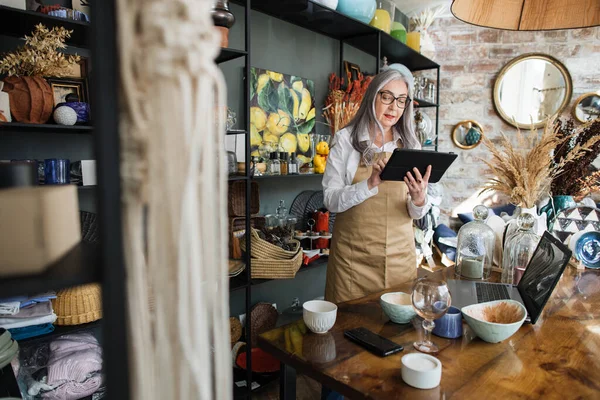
(449, 325)
(554, 207)
(362, 10)
(82, 109)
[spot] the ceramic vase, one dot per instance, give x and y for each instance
(427, 46)
(223, 19)
(81, 108)
(328, 3)
(31, 98)
(555, 205)
(362, 10)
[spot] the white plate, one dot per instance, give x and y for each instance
(426, 127)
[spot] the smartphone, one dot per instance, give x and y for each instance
(373, 342)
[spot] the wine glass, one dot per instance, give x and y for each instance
(431, 299)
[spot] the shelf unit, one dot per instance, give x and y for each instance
(347, 31)
(85, 263)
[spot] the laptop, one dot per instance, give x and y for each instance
(535, 287)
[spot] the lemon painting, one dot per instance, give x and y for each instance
(282, 114)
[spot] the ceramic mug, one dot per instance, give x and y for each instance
(449, 325)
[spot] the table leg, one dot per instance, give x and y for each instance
(287, 383)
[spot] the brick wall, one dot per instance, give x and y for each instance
(471, 57)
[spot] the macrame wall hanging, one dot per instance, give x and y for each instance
(174, 200)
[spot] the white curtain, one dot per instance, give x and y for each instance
(174, 181)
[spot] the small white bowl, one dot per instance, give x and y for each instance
(398, 307)
(421, 370)
(319, 315)
(492, 332)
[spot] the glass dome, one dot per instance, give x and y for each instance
(518, 249)
(475, 249)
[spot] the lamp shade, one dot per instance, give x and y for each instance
(528, 15)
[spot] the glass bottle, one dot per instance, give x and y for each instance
(275, 166)
(281, 213)
(518, 249)
(293, 165)
(475, 249)
(283, 162)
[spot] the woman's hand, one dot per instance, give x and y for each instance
(417, 186)
(374, 180)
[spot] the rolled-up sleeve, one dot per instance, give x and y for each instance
(338, 194)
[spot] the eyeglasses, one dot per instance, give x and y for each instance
(388, 98)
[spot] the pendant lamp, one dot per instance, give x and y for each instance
(528, 15)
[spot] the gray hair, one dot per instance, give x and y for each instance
(365, 116)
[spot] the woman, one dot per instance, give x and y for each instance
(373, 242)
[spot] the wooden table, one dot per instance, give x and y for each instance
(558, 357)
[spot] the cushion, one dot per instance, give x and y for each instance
(444, 231)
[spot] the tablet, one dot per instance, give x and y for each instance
(404, 160)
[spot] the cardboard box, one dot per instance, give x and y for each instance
(38, 226)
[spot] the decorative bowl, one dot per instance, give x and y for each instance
(362, 10)
(421, 370)
(478, 317)
(398, 307)
(319, 315)
(587, 249)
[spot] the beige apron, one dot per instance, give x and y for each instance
(373, 245)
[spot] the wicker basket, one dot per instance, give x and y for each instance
(265, 250)
(238, 224)
(270, 261)
(276, 269)
(237, 199)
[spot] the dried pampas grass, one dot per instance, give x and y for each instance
(499, 313)
(524, 171)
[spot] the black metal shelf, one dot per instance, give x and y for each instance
(264, 380)
(60, 330)
(79, 266)
(18, 23)
(236, 132)
(426, 104)
(237, 282)
(44, 128)
(326, 21)
(229, 54)
(237, 178)
(262, 177)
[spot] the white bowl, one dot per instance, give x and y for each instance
(421, 370)
(319, 315)
(492, 332)
(398, 307)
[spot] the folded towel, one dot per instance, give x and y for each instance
(38, 298)
(11, 323)
(36, 310)
(72, 390)
(31, 331)
(9, 308)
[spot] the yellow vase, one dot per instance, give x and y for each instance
(382, 20)
(413, 40)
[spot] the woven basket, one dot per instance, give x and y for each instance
(78, 305)
(237, 199)
(239, 224)
(276, 269)
(264, 250)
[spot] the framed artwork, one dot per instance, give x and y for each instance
(62, 87)
(79, 70)
(352, 71)
(282, 114)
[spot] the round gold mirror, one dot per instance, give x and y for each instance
(530, 89)
(587, 107)
(467, 134)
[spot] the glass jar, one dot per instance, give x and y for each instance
(293, 165)
(518, 249)
(384, 15)
(274, 164)
(475, 249)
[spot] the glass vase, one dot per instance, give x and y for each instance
(384, 15)
(518, 249)
(475, 248)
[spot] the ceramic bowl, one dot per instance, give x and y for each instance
(398, 307)
(477, 317)
(587, 249)
(319, 315)
(421, 370)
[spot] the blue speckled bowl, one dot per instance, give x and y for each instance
(489, 331)
(587, 249)
(398, 307)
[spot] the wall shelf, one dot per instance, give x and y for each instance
(18, 23)
(229, 54)
(239, 282)
(77, 267)
(426, 104)
(267, 177)
(44, 128)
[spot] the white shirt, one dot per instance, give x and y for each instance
(339, 192)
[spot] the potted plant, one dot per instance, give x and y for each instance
(31, 97)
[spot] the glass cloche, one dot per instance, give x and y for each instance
(518, 249)
(475, 249)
